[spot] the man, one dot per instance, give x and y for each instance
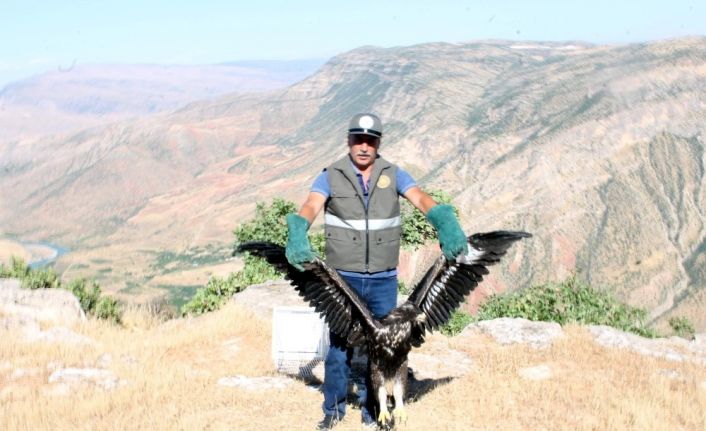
(360, 194)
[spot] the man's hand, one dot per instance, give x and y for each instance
(298, 248)
(451, 237)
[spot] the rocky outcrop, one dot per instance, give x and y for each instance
(674, 348)
(26, 311)
(65, 379)
(262, 298)
(518, 331)
(56, 306)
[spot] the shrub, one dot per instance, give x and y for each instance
(17, 269)
(402, 288)
(41, 279)
(683, 327)
(269, 224)
(459, 320)
(571, 301)
(30, 278)
(416, 230)
(108, 308)
(218, 290)
(92, 303)
(88, 296)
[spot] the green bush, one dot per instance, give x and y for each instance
(109, 309)
(30, 278)
(571, 301)
(402, 288)
(218, 290)
(88, 293)
(17, 269)
(92, 303)
(683, 327)
(41, 279)
(416, 230)
(269, 224)
(459, 320)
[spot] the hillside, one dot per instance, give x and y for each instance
(596, 150)
(81, 96)
(215, 372)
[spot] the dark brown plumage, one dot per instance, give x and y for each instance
(389, 340)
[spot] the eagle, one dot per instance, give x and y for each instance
(389, 340)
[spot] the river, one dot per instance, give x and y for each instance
(43, 253)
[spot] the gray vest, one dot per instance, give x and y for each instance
(356, 239)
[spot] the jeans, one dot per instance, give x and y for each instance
(380, 295)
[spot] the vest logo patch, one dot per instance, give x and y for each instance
(383, 181)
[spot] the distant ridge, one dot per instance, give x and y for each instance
(81, 96)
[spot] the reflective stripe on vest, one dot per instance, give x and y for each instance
(373, 224)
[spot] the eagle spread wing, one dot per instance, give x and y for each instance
(343, 310)
(446, 284)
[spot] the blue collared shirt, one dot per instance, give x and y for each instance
(404, 183)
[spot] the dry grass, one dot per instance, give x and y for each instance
(171, 370)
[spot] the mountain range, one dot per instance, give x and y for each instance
(596, 150)
(81, 96)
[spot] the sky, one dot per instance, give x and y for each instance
(38, 36)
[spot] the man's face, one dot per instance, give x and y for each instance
(363, 149)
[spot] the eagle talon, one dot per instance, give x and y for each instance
(384, 417)
(400, 415)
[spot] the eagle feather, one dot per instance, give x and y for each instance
(441, 290)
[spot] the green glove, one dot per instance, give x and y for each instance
(451, 237)
(298, 248)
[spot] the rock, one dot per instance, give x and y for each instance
(413, 264)
(511, 331)
(104, 379)
(19, 323)
(262, 298)
(667, 348)
(699, 342)
(30, 331)
(540, 372)
(254, 383)
(450, 363)
(43, 305)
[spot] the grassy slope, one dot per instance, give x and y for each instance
(172, 368)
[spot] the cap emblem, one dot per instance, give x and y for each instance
(366, 122)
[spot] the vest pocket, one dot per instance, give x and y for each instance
(345, 249)
(384, 249)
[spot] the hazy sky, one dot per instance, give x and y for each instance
(36, 36)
